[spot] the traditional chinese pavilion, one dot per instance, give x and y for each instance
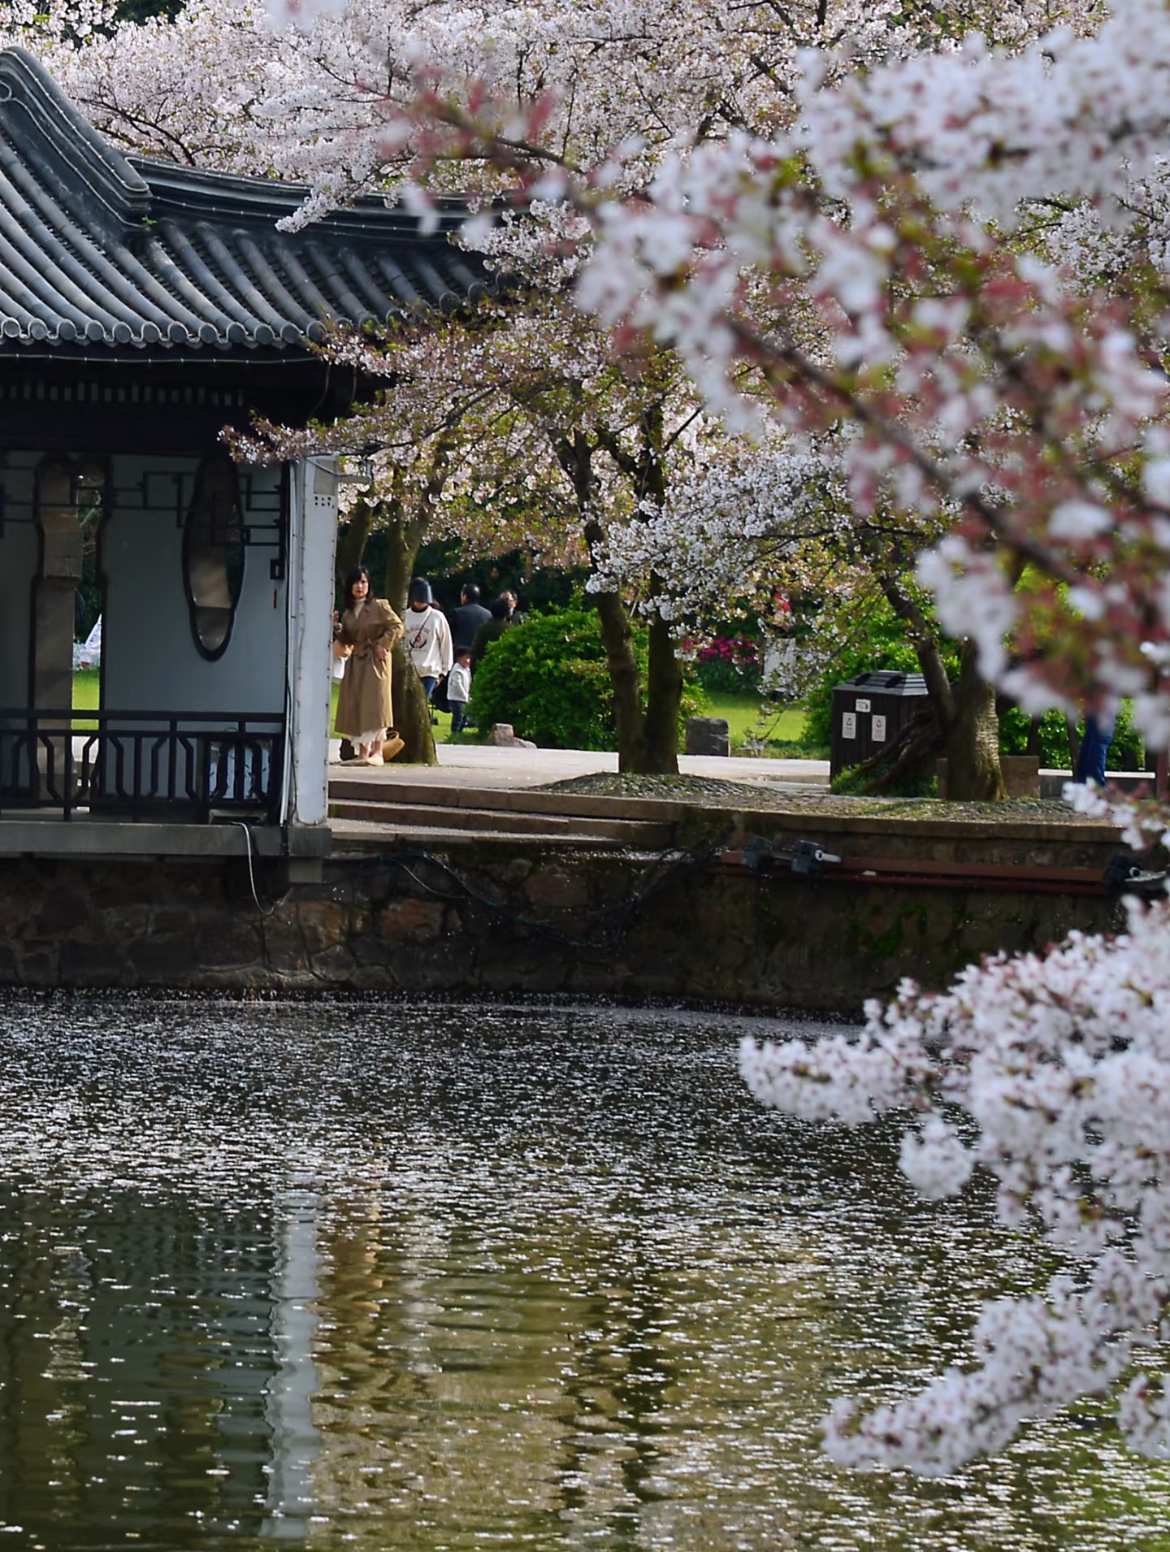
(143, 307)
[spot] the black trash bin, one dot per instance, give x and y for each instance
(869, 711)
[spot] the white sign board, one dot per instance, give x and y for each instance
(862, 706)
(849, 725)
(879, 730)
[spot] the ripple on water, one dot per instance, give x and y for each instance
(362, 1274)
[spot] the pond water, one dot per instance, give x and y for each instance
(420, 1277)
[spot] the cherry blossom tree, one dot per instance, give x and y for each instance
(936, 343)
(1037, 406)
(367, 95)
(751, 522)
(550, 442)
(325, 97)
(954, 219)
(974, 373)
(47, 26)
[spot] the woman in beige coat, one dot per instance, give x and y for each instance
(363, 636)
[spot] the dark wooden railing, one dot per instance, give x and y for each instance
(141, 764)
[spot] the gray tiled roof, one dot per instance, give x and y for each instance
(109, 254)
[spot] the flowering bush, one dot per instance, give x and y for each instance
(728, 663)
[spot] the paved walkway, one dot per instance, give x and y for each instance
(478, 765)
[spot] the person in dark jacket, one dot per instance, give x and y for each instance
(467, 620)
(497, 624)
(515, 614)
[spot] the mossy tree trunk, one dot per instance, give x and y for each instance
(664, 688)
(575, 455)
(968, 727)
(972, 740)
(352, 541)
(412, 712)
(664, 680)
(657, 753)
(626, 681)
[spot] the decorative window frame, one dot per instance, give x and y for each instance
(214, 554)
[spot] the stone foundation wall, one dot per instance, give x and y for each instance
(526, 920)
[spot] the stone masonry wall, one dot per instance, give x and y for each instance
(558, 922)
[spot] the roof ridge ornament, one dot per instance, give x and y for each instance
(27, 88)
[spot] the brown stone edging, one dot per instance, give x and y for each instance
(531, 916)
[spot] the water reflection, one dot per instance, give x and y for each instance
(295, 1439)
(340, 1275)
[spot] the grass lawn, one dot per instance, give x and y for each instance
(85, 689)
(86, 683)
(742, 714)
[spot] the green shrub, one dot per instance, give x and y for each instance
(1126, 752)
(549, 679)
(1014, 729)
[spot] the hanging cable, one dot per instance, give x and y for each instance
(272, 909)
(682, 866)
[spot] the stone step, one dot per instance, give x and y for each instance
(386, 811)
(352, 836)
(376, 787)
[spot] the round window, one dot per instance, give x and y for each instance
(213, 554)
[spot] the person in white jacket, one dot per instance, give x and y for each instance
(428, 636)
(459, 689)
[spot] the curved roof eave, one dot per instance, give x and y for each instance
(125, 255)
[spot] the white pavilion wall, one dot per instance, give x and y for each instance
(149, 658)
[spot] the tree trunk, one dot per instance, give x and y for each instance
(575, 455)
(633, 749)
(401, 553)
(926, 649)
(412, 713)
(938, 687)
(663, 674)
(351, 545)
(664, 684)
(972, 740)
(965, 712)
